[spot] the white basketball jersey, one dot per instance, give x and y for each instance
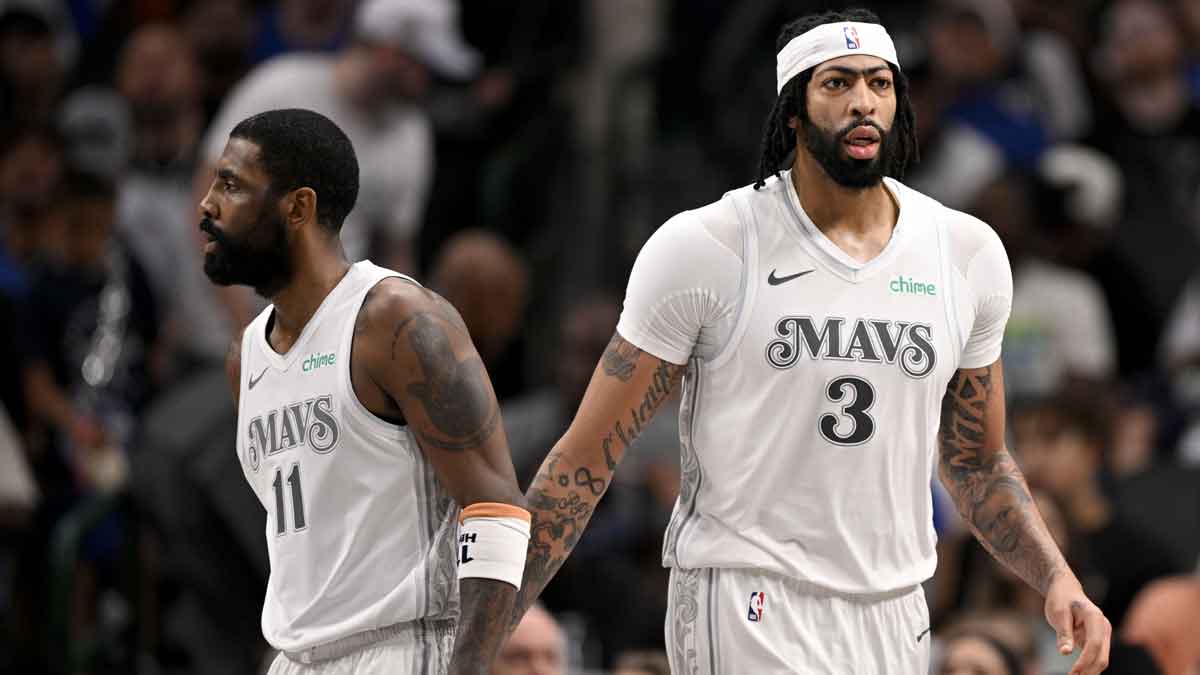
(360, 534)
(808, 437)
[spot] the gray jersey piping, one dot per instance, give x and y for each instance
(688, 454)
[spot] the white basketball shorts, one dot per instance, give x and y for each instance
(722, 621)
(422, 648)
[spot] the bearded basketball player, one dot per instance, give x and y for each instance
(367, 426)
(837, 336)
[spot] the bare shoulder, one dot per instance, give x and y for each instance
(233, 364)
(393, 307)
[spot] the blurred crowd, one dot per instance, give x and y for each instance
(515, 156)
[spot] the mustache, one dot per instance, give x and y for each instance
(207, 227)
(865, 122)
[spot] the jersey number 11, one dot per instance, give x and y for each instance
(293, 482)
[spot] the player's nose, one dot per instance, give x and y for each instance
(862, 99)
(207, 206)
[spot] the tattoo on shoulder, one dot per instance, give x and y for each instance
(620, 358)
(455, 394)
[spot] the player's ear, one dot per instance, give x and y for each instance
(300, 206)
(794, 122)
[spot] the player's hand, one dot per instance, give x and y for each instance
(1165, 620)
(1079, 624)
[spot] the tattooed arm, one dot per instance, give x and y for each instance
(990, 493)
(627, 388)
(412, 358)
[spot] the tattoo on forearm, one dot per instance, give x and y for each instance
(620, 358)
(961, 433)
(562, 497)
(454, 393)
(639, 417)
(987, 485)
(583, 478)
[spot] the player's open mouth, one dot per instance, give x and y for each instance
(862, 142)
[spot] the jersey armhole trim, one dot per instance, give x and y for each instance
(638, 337)
(346, 377)
(948, 302)
(746, 290)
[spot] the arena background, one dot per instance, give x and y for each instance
(525, 152)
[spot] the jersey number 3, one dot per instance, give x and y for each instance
(854, 426)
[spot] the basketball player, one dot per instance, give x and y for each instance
(365, 421)
(837, 335)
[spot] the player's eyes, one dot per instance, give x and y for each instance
(836, 82)
(882, 83)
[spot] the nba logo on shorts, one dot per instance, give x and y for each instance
(758, 602)
(851, 37)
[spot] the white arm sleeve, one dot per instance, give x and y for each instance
(682, 292)
(989, 280)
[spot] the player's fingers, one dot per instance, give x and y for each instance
(1095, 637)
(1063, 623)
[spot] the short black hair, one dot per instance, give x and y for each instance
(779, 140)
(301, 148)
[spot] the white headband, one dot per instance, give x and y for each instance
(829, 41)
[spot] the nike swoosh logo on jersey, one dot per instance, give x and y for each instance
(922, 634)
(775, 281)
(255, 380)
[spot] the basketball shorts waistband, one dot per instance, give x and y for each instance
(352, 643)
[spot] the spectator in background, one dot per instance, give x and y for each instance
(372, 89)
(977, 653)
(301, 26)
(158, 77)
(91, 332)
(487, 281)
(1007, 627)
(1151, 127)
(538, 646)
(990, 112)
(1165, 619)
(501, 137)
(1060, 443)
(89, 336)
(31, 163)
(1060, 330)
(223, 55)
(537, 419)
(32, 73)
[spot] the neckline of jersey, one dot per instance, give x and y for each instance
(828, 253)
(284, 361)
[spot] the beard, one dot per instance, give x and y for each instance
(828, 149)
(259, 259)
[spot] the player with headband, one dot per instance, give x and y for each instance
(837, 336)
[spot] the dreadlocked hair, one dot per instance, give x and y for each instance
(779, 140)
